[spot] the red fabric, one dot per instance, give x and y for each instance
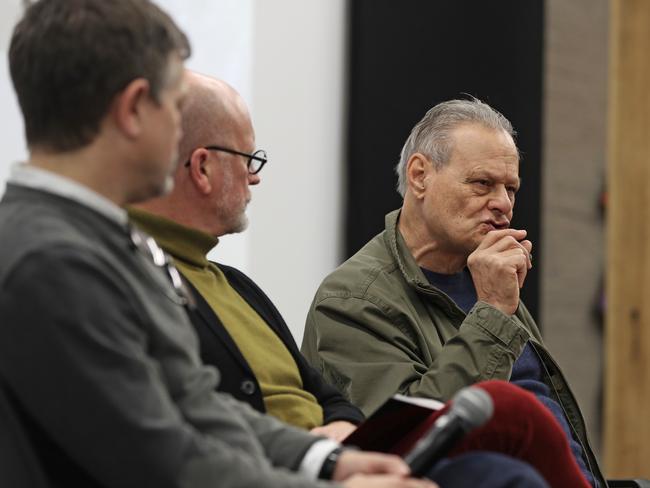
(523, 428)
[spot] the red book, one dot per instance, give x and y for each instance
(397, 425)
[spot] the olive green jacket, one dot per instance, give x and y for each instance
(377, 327)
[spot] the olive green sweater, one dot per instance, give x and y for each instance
(271, 362)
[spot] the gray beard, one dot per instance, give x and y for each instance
(240, 225)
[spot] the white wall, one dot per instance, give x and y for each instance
(221, 33)
(298, 90)
(12, 141)
(286, 57)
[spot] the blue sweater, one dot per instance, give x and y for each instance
(527, 372)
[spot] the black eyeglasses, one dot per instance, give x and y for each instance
(255, 163)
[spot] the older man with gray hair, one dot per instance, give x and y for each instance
(432, 303)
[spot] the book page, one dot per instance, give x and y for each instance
(420, 402)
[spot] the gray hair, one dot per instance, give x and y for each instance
(431, 136)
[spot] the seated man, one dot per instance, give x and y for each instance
(240, 330)
(260, 363)
(431, 304)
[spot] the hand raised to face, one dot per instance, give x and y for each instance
(499, 266)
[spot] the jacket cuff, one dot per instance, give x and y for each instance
(507, 329)
(315, 456)
(344, 412)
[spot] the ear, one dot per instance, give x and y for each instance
(418, 169)
(200, 170)
(129, 106)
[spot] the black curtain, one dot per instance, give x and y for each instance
(406, 56)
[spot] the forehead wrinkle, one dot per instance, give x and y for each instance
(472, 141)
(494, 174)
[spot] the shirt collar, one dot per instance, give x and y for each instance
(29, 176)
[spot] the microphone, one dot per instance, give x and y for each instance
(470, 408)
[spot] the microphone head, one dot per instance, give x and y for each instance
(473, 406)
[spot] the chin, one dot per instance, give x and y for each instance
(238, 226)
(470, 246)
(241, 226)
(167, 186)
(160, 188)
(154, 190)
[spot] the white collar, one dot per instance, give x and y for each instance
(29, 176)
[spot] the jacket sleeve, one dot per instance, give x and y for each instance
(371, 351)
(335, 405)
(76, 352)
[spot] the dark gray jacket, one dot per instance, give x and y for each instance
(97, 351)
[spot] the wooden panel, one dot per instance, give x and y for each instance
(627, 417)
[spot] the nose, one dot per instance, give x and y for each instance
(500, 201)
(254, 179)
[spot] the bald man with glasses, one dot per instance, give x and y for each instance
(240, 331)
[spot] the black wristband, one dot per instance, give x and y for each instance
(329, 464)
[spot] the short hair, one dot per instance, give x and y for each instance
(69, 58)
(431, 136)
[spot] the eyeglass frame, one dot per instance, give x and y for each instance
(254, 156)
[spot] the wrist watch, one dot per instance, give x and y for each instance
(329, 464)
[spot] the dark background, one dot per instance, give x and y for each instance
(406, 56)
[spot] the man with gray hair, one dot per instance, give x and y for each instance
(432, 303)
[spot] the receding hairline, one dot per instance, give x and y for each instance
(432, 133)
(454, 130)
(211, 105)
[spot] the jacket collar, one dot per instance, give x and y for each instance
(409, 267)
(35, 178)
(402, 255)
